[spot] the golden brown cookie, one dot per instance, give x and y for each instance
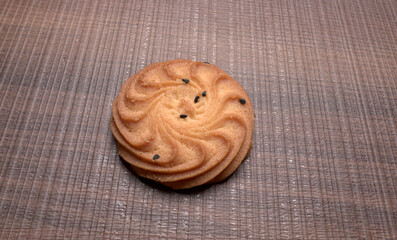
(182, 123)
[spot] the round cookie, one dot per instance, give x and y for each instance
(182, 123)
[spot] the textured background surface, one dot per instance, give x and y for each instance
(322, 76)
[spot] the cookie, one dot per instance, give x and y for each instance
(182, 123)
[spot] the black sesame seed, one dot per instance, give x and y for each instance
(185, 80)
(156, 156)
(183, 116)
(196, 99)
(204, 93)
(206, 62)
(242, 101)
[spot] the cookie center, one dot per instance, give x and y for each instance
(186, 107)
(182, 102)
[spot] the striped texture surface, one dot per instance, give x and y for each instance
(322, 76)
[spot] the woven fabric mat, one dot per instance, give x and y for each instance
(322, 76)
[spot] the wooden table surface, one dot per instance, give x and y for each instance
(322, 76)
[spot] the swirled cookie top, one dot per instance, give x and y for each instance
(181, 115)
